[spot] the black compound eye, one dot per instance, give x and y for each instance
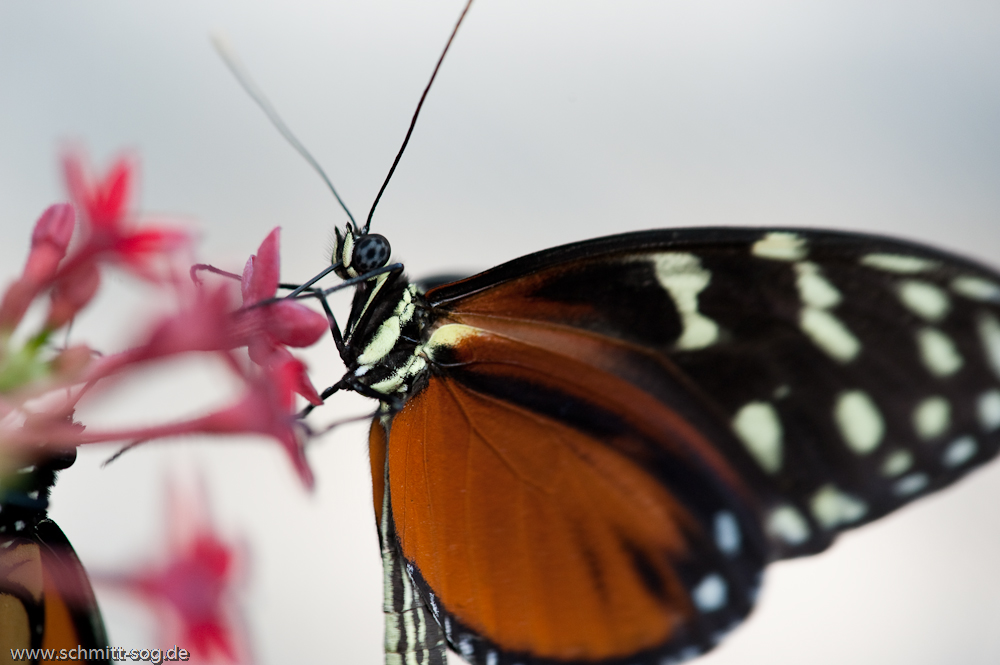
(370, 252)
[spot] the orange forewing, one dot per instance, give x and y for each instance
(527, 529)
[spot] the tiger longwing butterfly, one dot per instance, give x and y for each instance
(589, 454)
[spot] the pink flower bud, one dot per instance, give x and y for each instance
(71, 293)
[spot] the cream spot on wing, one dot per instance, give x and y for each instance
(910, 484)
(959, 451)
(787, 524)
(859, 421)
(924, 299)
(781, 246)
(897, 463)
(898, 263)
(818, 295)
(989, 334)
(727, 533)
(711, 593)
(988, 410)
(938, 352)
(932, 417)
(758, 426)
(829, 334)
(684, 278)
(976, 288)
(814, 289)
(449, 335)
(833, 508)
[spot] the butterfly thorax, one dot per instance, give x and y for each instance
(383, 336)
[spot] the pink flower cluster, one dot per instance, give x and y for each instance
(40, 385)
(191, 587)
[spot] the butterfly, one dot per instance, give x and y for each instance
(46, 601)
(589, 454)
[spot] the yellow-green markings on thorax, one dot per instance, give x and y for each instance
(386, 338)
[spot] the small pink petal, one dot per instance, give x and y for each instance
(55, 227)
(112, 195)
(76, 178)
(71, 293)
(151, 240)
(49, 240)
(270, 356)
(105, 202)
(260, 277)
(294, 324)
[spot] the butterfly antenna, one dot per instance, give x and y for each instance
(416, 113)
(228, 56)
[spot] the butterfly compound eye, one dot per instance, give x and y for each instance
(371, 252)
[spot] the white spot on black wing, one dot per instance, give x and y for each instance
(758, 426)
(932, 417)
(727, 533)
(829, 333)
(465, 646)
(924, 299)
(911, 484)
(897, 463)
(787, 524)
(683, 277)
(898, 263)
(938, 352)
(833, 508)
(989, 333)
(976, 288)
(988, 410)
(859, 421)
(711, 594)
(814, 289)
(781, 246)
(959, 451)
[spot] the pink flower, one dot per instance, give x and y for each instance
(72, 291)
(269, 328)
(104, 203)
(192, 588)
(49, 241)
(266, 408)
(205, 323)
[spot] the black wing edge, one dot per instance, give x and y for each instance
(679, 239)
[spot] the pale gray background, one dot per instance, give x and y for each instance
(550, 122)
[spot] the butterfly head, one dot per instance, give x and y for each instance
(358, 252)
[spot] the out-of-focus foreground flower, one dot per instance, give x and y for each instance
(192, 585)
(41, 384)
